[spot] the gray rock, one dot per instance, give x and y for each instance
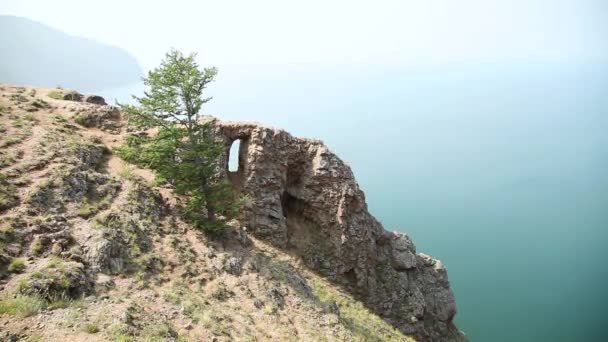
(107, 118)
(403, 253)
(95, 99)
(302, 197)
(233, 266)
(73, 96)
(53, 282)
(276, 297)
(105, 255)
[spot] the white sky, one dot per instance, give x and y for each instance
(282, 32)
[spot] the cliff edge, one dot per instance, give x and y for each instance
(304, 199)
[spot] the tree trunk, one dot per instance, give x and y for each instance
(210, 211)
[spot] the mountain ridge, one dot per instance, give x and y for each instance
(40, 55)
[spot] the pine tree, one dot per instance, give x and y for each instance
(182, 151)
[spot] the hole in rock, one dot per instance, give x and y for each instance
(289, 204)
(233, 156)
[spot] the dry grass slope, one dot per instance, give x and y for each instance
(91, 250)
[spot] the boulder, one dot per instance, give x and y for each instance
(57, 280)
(73, 96)
(95, 99)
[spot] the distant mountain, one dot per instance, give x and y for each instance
(36, 54)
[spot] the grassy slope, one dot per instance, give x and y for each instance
(176, 283)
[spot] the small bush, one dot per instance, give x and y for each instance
(127, 173)
(219, 291)
(56, 94)
(37, 246)
(17, 265)
(86, 210)
(90, 328)
(81, 120)
(158, 332)
(56, 249)
(58, 301)
(22, 306)
(121, 332)
(31, 117)
(12, 141)
(8, 199)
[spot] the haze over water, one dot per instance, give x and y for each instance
(477, 127)
(499, 172)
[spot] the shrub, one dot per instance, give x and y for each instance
(56, 94)
(22, 306)
(90, 328)
(17, 265)
(86, 210)
(82, 120)
(8, 199)
(219, 291)
(127, 173)
(31, 117)
(37, 246)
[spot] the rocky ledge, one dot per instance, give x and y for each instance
(304, 199)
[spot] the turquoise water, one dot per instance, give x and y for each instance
(501, 172)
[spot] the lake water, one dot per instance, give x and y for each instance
(501, 172)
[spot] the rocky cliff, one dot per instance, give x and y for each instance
(91, 249)
(304, 199)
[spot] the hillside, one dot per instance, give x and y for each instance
(36, 54)
(91, 249)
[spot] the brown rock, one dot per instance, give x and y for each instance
(306, 199)
(95, 99)
(73, 96)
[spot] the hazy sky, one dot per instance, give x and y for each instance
(280, 32)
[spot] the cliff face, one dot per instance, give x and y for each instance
(304, 199)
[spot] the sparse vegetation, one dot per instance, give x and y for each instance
(37, 246)
(56, 94)
(31, 117)
(8, 194)
(356, 317)
(219, 291)
(7, 233)
(90, 328)
(82, 120)
(58, 282)
(22, 306)
(127, 173)
(17, 265)
(21, 131)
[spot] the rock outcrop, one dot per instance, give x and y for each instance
(89, 243)
(303, 198)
